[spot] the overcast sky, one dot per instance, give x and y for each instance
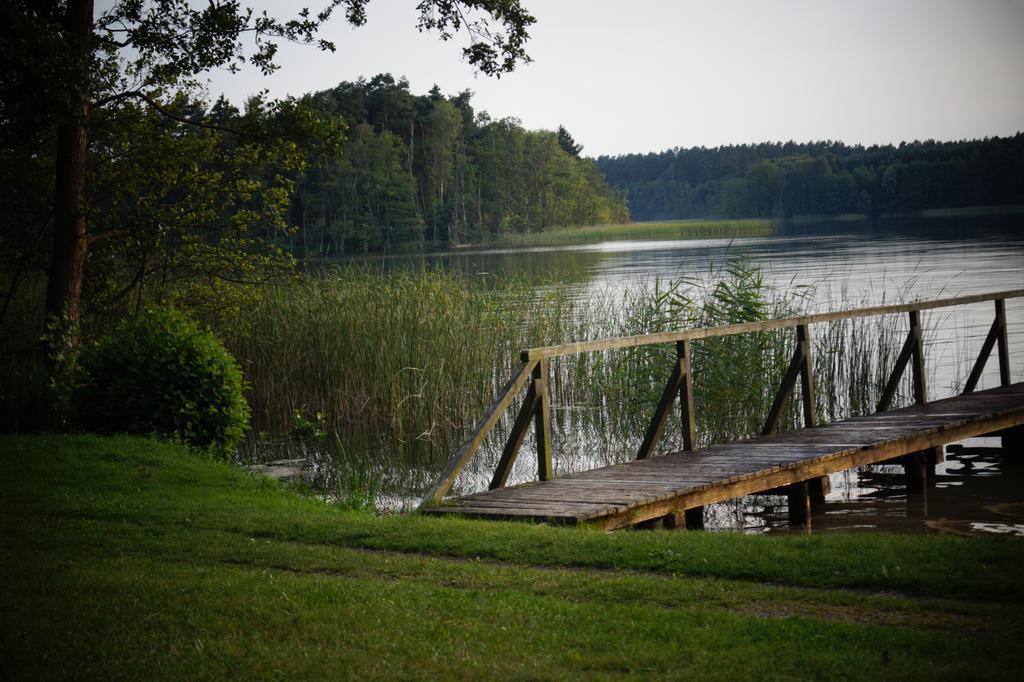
(648, 75)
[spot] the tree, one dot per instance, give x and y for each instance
(142, 50)
(568, 144)
(445, 126)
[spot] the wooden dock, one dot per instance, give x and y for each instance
(673, 489)
(659, 487)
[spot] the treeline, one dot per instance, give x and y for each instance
(428, 169)
(818, 178)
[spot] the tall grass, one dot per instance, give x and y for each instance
(398, 363)
(401, 364)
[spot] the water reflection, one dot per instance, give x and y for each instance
(977, 490)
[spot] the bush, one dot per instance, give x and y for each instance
(158, 373)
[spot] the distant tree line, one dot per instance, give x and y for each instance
(818, 178)
(428, 169)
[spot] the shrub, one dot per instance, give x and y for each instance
(158, 373)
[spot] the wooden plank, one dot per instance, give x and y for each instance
(581, 495)
(542, 421)
(687, 409)
(507, 515)
(920, 389)
(803, 338)
(764, 325)
(576, 508)
(1003, 344)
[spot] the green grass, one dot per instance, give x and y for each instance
(663, 229)
(132, 558)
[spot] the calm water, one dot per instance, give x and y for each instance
(839, 265)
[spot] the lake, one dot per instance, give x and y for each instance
(839, 265)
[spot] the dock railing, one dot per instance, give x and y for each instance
(532, 373)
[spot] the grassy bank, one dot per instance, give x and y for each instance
(127, 557)
(661, 229)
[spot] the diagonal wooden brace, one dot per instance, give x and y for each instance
(679, 382)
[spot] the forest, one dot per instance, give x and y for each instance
(429, 169)
(782, 180)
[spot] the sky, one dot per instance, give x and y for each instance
(650, 75)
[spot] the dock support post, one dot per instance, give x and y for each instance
(915, 469)
(1013, 444)
(933, 457)
(799, 499)
(689, 519)
(819, 488)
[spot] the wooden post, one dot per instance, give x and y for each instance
(920, 392)
(915, 469)
(687, 413)
(818, 489)
(542, 420)
(690, 519)
(1004, 347)
(799, 502)
(803, 340)
(927, 458)
(1013, 445)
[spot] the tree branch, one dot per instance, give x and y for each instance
(138, 94)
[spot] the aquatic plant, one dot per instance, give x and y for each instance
(400, 364)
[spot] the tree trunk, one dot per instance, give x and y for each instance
(70, 241)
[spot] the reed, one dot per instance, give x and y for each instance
(399, 365)
(669, 229)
